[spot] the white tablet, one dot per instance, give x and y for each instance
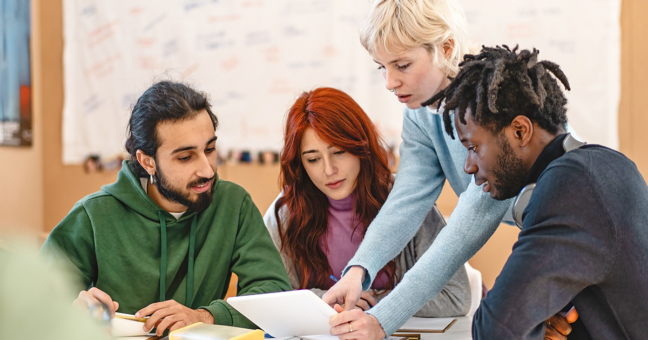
(286, 314)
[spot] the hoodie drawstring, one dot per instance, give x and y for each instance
(163, 256)
(190, 269)
(163, 259)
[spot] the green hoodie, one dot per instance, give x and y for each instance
(117, 240)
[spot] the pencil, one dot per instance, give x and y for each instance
(129, 317)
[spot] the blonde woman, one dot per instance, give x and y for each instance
(417, 45)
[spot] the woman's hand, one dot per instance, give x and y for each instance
(348, 290)
(355, 324)
(366, 301)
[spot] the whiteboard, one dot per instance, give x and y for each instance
(254, 57)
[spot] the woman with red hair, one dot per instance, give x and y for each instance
(335, 177)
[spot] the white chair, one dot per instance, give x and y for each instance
(475, 281)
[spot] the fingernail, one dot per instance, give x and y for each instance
(137, 315)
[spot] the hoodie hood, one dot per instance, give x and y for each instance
(128, 190)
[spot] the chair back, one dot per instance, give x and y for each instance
(475, 280)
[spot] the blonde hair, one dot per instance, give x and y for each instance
(402, 25)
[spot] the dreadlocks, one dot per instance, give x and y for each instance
(499, 84)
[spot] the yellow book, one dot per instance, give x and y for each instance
(201, 331)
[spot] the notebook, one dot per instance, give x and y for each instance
(427, 325)
(335, 337)
(127, 325)
(201, 331)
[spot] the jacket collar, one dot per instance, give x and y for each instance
(550, 153)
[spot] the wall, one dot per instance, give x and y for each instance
(63, 185)
(21, 168)
(633, 114)
(37, 191)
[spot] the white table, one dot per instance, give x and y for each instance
(460, 330)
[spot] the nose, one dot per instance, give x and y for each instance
(329, 167)
(470, 166)
(205, 168)
(391, 79)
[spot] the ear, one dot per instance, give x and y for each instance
(147, 162)
(522, 129)
(448, 48)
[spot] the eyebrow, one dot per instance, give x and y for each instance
(313, 151)
(391, 62)
(192, 147)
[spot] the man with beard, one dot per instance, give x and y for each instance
(165, 238)
(584, 238)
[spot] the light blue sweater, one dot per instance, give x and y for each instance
(428, 157)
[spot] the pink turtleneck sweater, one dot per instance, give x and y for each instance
(340, 242)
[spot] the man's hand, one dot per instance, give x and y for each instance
(95, 297)
(347, 291)
(366, 301)
(355, 324)
(172, 315)
(558, 326)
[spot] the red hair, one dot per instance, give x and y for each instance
(339, 121)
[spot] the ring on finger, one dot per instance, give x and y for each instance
(350, 328)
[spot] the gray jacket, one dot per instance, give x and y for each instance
(454, 298)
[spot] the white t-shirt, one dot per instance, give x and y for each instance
(144, 182)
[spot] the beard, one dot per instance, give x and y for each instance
(175, 194)
(510, 172)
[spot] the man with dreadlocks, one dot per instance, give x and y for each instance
(581, 208)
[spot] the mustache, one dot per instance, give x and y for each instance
(200, 181)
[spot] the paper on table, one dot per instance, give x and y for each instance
(124, 327)
(425, 325)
